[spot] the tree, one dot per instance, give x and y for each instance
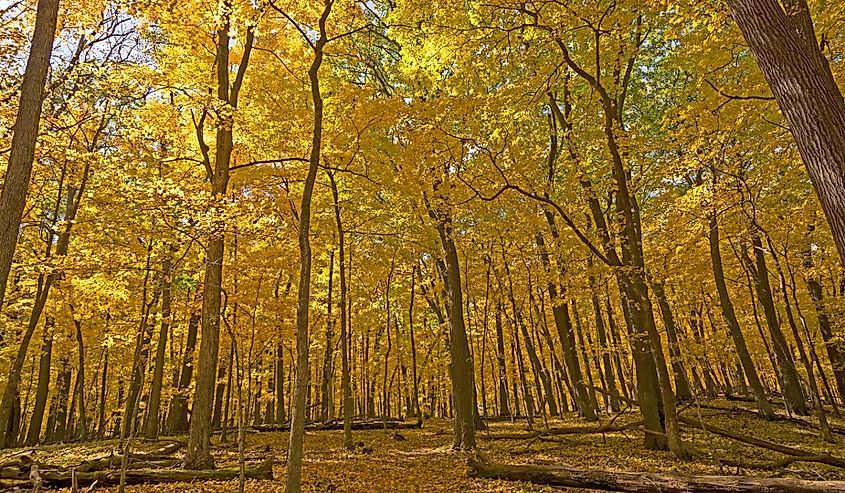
(783, 40)
(25, 134)
(199, 448)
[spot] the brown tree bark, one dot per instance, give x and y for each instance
(783, 40)
(177, 415)
(634, 482)
(300, 389)
(198, 455)
(36, 420)
(154, 403)
(345, 380)
(24, 136)
(45, 282)
(733, 324)
(682, 386)
(463, 386)
(791, 388)
(504, 408)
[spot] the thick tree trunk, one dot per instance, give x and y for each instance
(198, 454)
(24, 136)
(463, 386)
(786, 48)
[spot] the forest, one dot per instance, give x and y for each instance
(406, 245)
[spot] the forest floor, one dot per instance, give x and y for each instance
(423, 461)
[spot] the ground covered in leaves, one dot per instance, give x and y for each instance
(423, 461)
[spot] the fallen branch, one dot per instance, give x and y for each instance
(770, 466)
(758, 442)
(634, 482)
(574, 430)
(63, 478)
(338, 425)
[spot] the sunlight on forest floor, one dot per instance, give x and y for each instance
(424, 462)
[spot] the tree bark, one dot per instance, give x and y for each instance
(733, 324)
(198, 455)
(35, 422)
(560, 313)
(834, 348)
(682, 386)
(177, 416)
(504, 409)
(154, 404)
(784, 43)
(345, 380)
(24, 136)
(300, 390)
(791, 388)
(80, 382)
(635, 482)
(463, 386)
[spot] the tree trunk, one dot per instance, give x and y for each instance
(326, 407)
(177, 416)
(463, 386)
(682, 386)
(11, 392)
(37, 418)
(198, 454)
(733, 324)
(637, 482)
(24, 136)
(560, 313)
(80, 383)
(791, 388)
(787, 51)
(504, 409)
(154, 403)
(300, 390)
(833, 346)
(142, 349)
(57, 422)
(610, 380)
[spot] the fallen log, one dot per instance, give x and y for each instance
(574, 430)
(769, 466)
(338, 425)
(635, 482)
(63, 478)
(757, 442)
(803, 422)
(371, 425)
